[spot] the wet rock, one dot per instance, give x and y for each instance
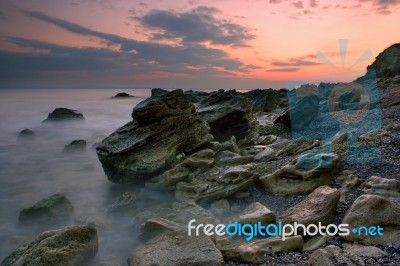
(26, 135)
(384, 187)
(347, 180)
(333, 255)
(304, 174)
(238, 249)
(75, 245)
(175, 248)
(373, 210)
(228, 113)
(163, 126)
(75, 146)
(125, 202)
(63, 114)
(319, 206)
(54, 209)
(254, 213)
(364, 251)
(122, 95)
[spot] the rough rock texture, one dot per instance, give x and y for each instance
(237, 249)
(63, 114)
(75, 245)
(228, 113)
(332, 256)
(78, 145)
(267, 100)
(26, 135)
(254, 213)
(383, 187)
(391, 97)
(163, 126)
(54, 209)
(306, 173)
(372, 210)
(387, 63)
(175, 248)
(347, 180)
(319, 206)
(365, 251)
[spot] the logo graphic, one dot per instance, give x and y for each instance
(328, 110)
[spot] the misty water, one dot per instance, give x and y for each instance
(31, 171)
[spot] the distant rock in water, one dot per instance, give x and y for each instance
(54, 209)
(163, 126)
(387, 63)
(75, 245)
(63, 114)
(26, 135)
(76, 146)
(122, 95)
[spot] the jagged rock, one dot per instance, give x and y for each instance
(75, 146)
(265, 155)
(387, 63)
(228, 113)
(365, 251)
(333, 255)
(254, 213)
(26, 135)
(163, 126)
(75, 245)
(237, 249)
(63, 114)
(217, 185)
(54, 209)
(255, 138)
(304, 174)
(319, 206)
(267, 100)
(122, 95)
(176, 248)
(373, 210)
(384, 187)
(347, 180)
(231, 158)
(391, 97)
(253, 150)
(285, 147)
(230, 145)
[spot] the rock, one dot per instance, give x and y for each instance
(75, 245)
(237, 249)
(315, 243)
(63, 114)
(127, 202)
(228, 113)
(384, 187)
(387, 63)
(174, 248)
(267, 100)
(319, 206)
(231, 158)
(308, 172)
(284, 147)
(54, 209)
(333, 255)
(122, 95)
(254, 213)
(373, 210)
(347, 180)
(265, 155)
(26, 135)
(230, 145)
(217, 185)
(221, 209)
(157, 92)
(365, 251)
(163, 126)
(75, 146)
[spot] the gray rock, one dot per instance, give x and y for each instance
(26, 135)
(75, 146)
(387, 63)
(63, 114)
(254, 213)
(333, 255)
(365, 251)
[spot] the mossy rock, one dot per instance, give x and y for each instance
(54, 209)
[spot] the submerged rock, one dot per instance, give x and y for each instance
(75, 245)
(122, 95)
(63, 114)
(163, 126)
(75, 146)
(54, 209)
(26, 135)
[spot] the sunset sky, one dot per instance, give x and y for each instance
(190, 44)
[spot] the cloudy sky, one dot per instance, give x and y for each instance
(192, 44)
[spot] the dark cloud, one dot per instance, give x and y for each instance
(275, 1)
(295, 62)
(196, 26)
(298, 4)
(288, 69)
(383, 7)
(313, 3)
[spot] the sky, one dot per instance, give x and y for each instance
(238, 44)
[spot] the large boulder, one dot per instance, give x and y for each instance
(63, 114)
(373, 210)
(319, 206)
(228, 113)
(163, 126)
(75, 245)
(387, 63)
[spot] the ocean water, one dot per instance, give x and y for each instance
(30, 171)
